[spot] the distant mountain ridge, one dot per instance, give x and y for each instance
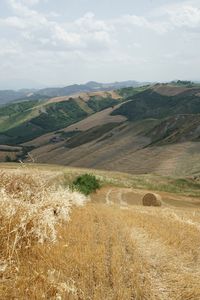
(90, 86)
(7, 96)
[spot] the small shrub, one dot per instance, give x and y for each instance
(86, 184)
(8, 158)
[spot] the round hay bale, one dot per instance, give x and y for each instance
(151, 199)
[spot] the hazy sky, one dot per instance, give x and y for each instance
(59, 42)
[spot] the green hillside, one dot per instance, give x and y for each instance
(150, 104)
(23, 121)
(176, 129)
(15, 114)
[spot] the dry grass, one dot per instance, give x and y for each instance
(106, 251)
(124, 150)
(31, 208)
(92, 260)
(85, 96)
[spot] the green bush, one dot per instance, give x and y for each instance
(8, 159)
(86, 184)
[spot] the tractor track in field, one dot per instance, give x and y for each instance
(166, 242)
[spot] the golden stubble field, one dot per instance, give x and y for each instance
(58, 245)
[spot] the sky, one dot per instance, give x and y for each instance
(57, 43)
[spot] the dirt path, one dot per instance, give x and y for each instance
(130, 196)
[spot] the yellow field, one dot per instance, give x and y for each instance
(110, 248)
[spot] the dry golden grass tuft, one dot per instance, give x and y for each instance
(30, 210)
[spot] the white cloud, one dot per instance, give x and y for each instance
(89, 23)
(134, 43)
(185, 14)
(29, 2)
(41, 31)
(140, 21)
(14, 22)
(9, 48)
(188, 16)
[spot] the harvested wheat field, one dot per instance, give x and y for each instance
(57, 244)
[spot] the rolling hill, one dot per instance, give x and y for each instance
(150, 129)
(23, 121)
